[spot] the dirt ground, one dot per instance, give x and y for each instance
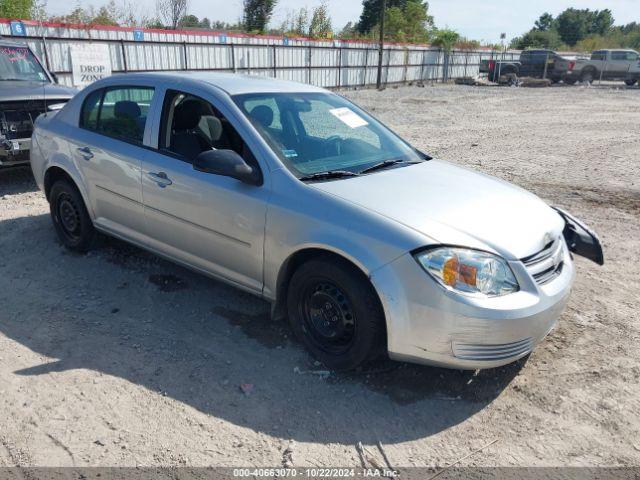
(120, 358)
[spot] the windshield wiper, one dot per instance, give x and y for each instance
(385, 164)
(328, 174)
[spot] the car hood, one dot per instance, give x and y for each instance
(11, 91)
(456, 206)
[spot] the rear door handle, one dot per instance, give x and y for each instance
(160, 178)
(86, 153)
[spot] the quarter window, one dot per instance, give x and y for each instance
(119, 112)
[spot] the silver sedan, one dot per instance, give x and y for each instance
(367, 245)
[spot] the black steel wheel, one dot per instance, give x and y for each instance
(335, 312)
(70, 217)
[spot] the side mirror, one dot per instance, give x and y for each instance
(226, 163)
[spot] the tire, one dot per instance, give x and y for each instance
(336, 314)
(570, 81)
(631, 82)
(587, 77)
(70, 217)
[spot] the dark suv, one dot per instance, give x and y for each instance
(27, 89)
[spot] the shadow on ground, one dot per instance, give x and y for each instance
(124, 312)
(14, 180)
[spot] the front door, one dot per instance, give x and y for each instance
(211, 222)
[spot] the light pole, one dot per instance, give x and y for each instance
(381, 47)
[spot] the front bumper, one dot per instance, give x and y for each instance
(429, 324)
(14, 151)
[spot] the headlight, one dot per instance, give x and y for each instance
(469, 271)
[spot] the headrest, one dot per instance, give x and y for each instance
(126, 109)
(187, 114)
(213, 125)
(263, 115)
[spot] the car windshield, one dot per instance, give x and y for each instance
(18, 63)
(322, 133)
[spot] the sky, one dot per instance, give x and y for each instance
(475, 19)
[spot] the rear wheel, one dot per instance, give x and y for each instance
(70, 217)
(587, 77)
(335, 313)
(631, 81)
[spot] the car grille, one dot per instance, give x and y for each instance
(471, 351)
(547, 264)
(16, 118)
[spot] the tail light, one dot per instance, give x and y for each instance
(571, 65)
(492, 65)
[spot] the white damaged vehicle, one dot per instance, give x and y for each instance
(295, 194)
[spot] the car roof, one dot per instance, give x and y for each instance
(232, 83)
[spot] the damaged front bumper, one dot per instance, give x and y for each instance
(14, 151)
(429, 324)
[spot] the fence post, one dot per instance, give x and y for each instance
(339, 67)
(406, 65)
(186, 61)
(386, 74)
(233, 59)
(466, 62)
(275, 61)
(546, 66)
(124, 56)
(310, 53)
(46, 54)
(366, 63)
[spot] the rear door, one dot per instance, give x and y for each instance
(211, 222)
(108, 148)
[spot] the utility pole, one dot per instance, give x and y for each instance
(381, 47)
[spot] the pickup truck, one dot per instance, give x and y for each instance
(27, 89)
(532, 63)
(604, 64)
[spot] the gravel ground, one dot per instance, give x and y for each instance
(120, 358)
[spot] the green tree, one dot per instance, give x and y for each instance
(445, 39)
(418, 22)
(189, 21)
(370, 16)
(205, 23)
(320, 26)
(16, 9)
(547, 39)
(257, 14)
(545, 22)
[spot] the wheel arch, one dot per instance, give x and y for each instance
(301, 256)
(56, 172)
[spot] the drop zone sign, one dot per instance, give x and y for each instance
(89, 62)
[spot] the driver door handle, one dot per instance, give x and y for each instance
(160, 178)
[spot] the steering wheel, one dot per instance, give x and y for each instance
(334, 143)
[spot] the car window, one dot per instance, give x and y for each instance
(123, 112)
(319, 132)
(598, 56)
(191, 125)
(118, 112)
(18, 63)
(90, 110)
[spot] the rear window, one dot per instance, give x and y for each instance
(119, 112)
(598, 56)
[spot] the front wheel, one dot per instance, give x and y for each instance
(70, 217)
(335, 313)
(631, 82)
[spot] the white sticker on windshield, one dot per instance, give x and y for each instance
(348, 117)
